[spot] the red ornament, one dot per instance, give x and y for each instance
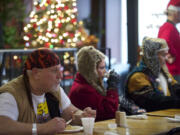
(59, 25)
(29, 35)
(48, 1)
(61, 42)
(74, 20)
(35, 25)
(66, 8)
(38, 7)
(59, 9)
(51, 19)
(71, 35)
(47, 44)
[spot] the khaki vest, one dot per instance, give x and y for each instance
(16, 87)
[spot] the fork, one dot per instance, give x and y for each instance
(68, 122)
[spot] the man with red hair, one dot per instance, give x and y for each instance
(169, 32)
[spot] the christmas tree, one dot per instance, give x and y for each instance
(53, 24)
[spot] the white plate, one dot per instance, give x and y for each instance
(173, 119)
(110, 133)
(74, 129)
(139, 117)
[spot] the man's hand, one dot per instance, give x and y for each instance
(88, 112)
(9, 127)
(54, 126)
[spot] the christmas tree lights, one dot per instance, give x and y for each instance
(53, 24)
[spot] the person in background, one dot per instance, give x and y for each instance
(88, 88)
(34, 103)
(169, 32)
(150, 84)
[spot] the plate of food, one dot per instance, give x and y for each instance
(72, 129)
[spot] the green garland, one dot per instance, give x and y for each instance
(12, 13)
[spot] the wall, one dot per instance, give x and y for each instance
(116, 26)
(116, 29)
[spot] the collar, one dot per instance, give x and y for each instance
(171, 22)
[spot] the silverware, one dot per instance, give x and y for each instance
(68, 122)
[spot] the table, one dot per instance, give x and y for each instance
(164, 113)
(150, 126)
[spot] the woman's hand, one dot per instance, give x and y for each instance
(169, 58)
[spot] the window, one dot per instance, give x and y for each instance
(151, 17)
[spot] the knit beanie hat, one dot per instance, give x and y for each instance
(41, 58)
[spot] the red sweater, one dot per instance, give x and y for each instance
(83, 95)
(169, 32)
